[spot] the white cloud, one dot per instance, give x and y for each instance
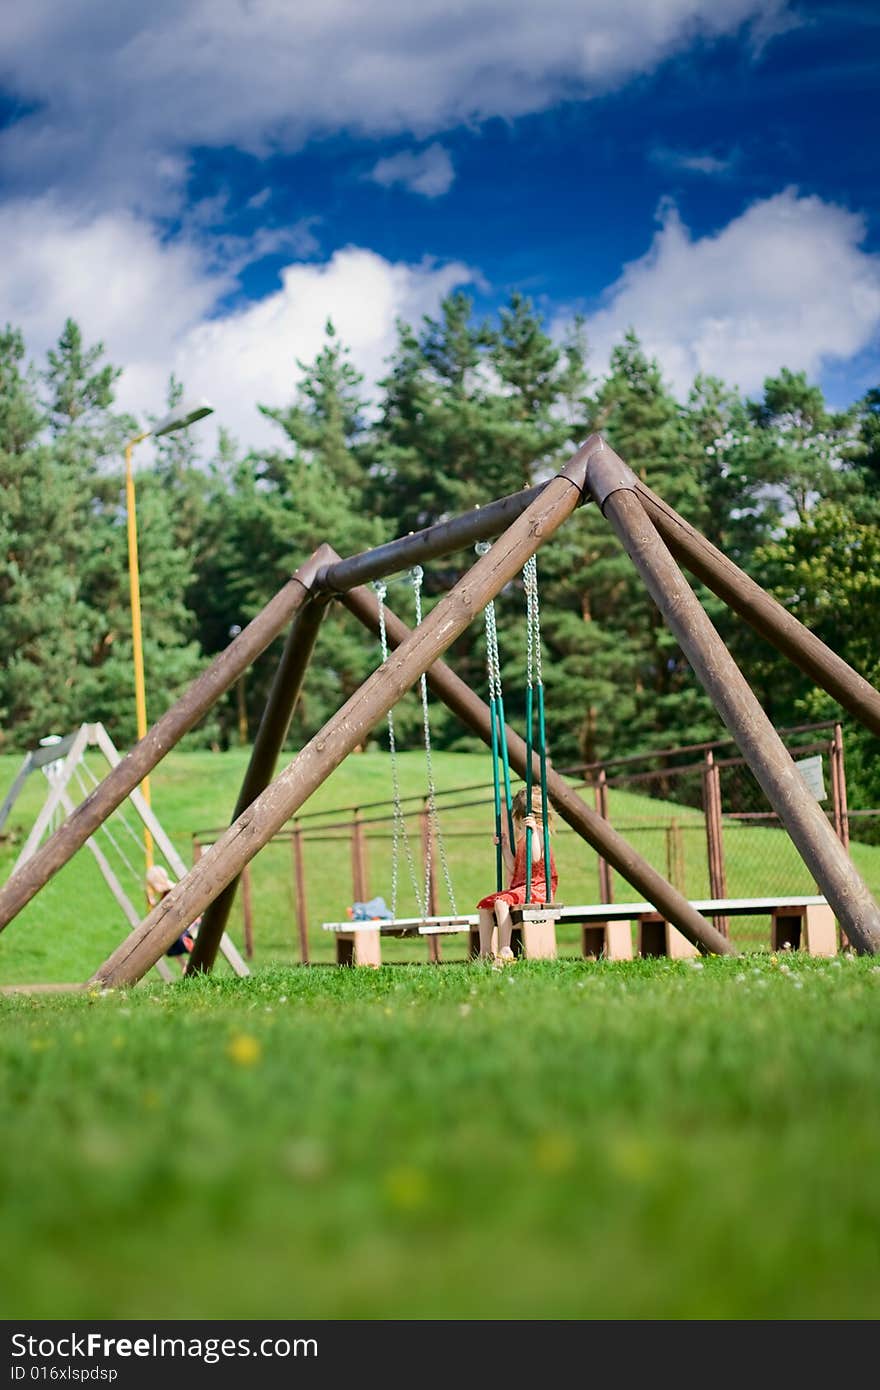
(120, 92)
(427, 171)
(251, 356)
(692, 163)
(154, 305)
(785, 284)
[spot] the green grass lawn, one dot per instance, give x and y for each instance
(557, 1140)
(74, 924)
(648, 1139)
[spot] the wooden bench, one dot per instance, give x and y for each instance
(359, 943)
(796, 923)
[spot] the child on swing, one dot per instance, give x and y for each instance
(494, 909)
(158, 885)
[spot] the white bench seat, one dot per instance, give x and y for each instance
(805, 922)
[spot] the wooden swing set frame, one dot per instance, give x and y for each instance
(654, 536)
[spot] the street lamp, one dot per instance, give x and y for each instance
(234, 630)
(186, 413)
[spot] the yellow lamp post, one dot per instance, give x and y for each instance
(177, 419)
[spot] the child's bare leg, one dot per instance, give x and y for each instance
(505, 926)
(487, 927)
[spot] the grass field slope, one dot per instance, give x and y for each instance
(73, 924)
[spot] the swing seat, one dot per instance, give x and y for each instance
(359, 943)
(534, 929)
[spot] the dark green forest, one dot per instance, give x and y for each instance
(467, 411)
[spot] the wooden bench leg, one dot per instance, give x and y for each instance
(539, 939)
(652, 936)
(611, 940)
(820, 930)
(359, 948)
(618, 941)
(659, 938)
(367, 948)
(785, 931)
(677, 946)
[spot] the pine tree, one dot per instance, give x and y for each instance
(40, 612)
(268, 512)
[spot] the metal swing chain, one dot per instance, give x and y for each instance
(399, 831)
(418, 575)
(533, 663)
(107, 831)
(132, 834)
(493, 661)
(533, 622)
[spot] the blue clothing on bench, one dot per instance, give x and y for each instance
(369, 911)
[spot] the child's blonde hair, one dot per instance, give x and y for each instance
(519, 808)
(158, 883)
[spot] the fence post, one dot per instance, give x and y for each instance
(838, 787)
(248, 911)
(606, 881)
(299, 885)
(715, 835)
(197, 849)
(675, 856)
(429, 857)
(839, 802)
(358, 859)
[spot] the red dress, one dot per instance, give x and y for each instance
(515, 894)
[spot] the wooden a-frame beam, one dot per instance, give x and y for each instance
(613, 486)
(349, 726)
(475, 713)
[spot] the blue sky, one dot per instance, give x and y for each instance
(201, 182)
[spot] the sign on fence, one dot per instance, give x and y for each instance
(811, 771)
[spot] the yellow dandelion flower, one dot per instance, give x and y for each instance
(406, 1188)
(244, 1050)
(554, 1153)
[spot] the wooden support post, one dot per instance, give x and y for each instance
(247, 908)
(715, 835)
(129, 910)
(613, 486)
(348, 727)
(166, 847)
(299, 883)
(130, 772)
(762, 612)
(606, 880)
(417, 548)
(196, 849)
(429, 856)
(283, 695)
(474, 712)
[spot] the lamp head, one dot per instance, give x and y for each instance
(186, 413)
